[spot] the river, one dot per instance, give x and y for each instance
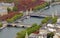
(10, 32)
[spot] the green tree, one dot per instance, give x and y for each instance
(45, 20)
(50, 35)
(41, 6)
(54, 20)
(15, 8)
(30, 30)
(9, 1)
(8, 9)
(15, 17)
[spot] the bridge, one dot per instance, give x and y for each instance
(43, 15)
(39, 14)
(55, 3)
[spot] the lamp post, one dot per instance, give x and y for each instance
(26, 35)
(49, 3)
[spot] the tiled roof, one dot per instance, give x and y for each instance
(10, 15)
(22, 6)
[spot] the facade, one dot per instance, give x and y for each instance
(7, 16)
(3, 12)
(33, 35)
(56, 35)
(26, 5)
(51, 28)
(42, 33)
(4, 6)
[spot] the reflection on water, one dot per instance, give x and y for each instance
(32, 20)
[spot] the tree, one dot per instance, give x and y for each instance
(15, 8)
(30, 30)
(45, 20)
(50, 35)
(53, 1)
(35, 24)
(54, 20)
(15, 17)
(43, 5)
(8, 9)
(9, 1)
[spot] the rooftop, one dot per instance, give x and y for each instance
(23, 5)
(10, 15)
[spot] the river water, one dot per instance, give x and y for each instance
(10, 32)
(52, 9)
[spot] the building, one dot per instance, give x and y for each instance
(27, 4)
(4, 6)
(7, 16)
(56, 35)
(42, 33)
(51, 28)
(33, 35)
(3, 11)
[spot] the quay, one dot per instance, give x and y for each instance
(19, 25)
(4, 25)
(16, 25)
